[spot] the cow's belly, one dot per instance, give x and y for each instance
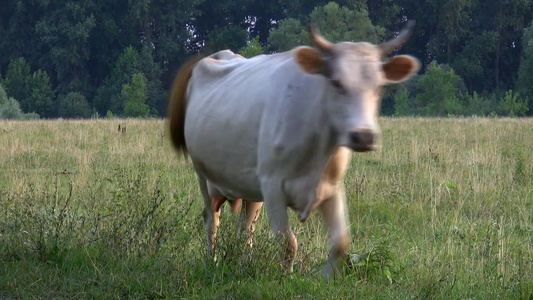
(222, 143)
(232, 181)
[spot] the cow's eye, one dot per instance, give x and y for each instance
(338, 85)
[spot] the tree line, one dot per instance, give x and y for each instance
(105, 58)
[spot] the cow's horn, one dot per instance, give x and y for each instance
(319, 40)
(389, 46)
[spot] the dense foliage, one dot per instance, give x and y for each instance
(477, 56)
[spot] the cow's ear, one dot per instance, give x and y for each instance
(310, 60)
(400, 67)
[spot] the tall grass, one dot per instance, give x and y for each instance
(443, 211)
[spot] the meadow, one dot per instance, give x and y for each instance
(443, 211)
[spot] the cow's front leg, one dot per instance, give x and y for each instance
(333, 211)
(249, 214)
(276, 209)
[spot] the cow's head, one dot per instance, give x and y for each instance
(355, 76)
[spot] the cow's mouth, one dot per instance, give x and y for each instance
(363, 148)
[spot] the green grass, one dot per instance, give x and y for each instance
(443, 211)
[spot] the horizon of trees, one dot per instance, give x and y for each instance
(102, 58)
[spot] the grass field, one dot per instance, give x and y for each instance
(443, 211)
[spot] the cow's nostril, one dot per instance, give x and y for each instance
(368, 137)
(362, 139)
(355, 138)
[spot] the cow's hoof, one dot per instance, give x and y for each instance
(328, 273)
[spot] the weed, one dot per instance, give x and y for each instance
(376, 262)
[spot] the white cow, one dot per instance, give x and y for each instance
(274, 129)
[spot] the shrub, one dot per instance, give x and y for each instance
(30, 116)
(74, 105)
(11, 110)
(512, 106)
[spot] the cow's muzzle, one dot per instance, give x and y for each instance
(362, 140)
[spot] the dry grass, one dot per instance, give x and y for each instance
(444, 210)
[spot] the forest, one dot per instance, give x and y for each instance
(117, 58)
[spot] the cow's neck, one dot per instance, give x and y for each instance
(295, 136)
(310, 161)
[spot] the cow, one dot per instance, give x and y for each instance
(279, 130)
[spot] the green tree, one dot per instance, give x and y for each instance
(524, 84)
(3, 95)
(450, 19)
(438, 94)
(130, 62)
(300, 9)
(135, 95)
(17, 31)
(339, 23)
(385, 13)
(165, 28)
(109, 95)
(506, 19)
(114, 30)
(473, 60)
(73, 105)
(263, 12)
(78, 43)
(156, 96)
(483, 35)
(231, 37)
(289, 34)
(509, 23)
(401, 99)
(41, 96)
(254, 48)
(336, 23)
(64, 32)
(16, 79)
(221, 25)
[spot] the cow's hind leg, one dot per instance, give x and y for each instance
(211, 217)
(249, 215)
(333, 211)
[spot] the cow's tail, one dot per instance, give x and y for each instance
(177, 105)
